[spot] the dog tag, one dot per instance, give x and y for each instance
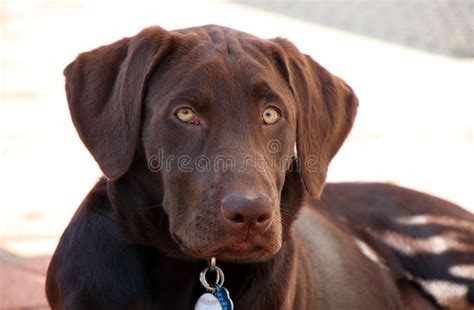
(218, 298)
(222, 294)
(208, 301)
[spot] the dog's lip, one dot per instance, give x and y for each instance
(252, 253)
(243, 247)
(233, 251)
(240, 252)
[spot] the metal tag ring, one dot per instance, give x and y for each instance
(219, 278)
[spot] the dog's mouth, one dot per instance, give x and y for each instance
(230, 251)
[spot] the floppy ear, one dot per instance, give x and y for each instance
(105, 89)
(327, 107)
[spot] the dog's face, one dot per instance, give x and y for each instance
(222, 138)
(215, 115)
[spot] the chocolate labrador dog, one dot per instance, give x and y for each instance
(195, 131)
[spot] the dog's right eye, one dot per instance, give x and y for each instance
(187, 115)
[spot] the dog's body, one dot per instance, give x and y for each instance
(158, 111)
(320, 267)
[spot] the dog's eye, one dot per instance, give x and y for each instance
(271, 115)
(187, 115)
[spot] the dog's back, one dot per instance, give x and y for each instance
(425, 240)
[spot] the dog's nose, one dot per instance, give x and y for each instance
(241, 211)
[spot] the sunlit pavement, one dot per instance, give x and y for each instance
(414, 126)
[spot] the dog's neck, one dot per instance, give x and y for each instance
(175, 281)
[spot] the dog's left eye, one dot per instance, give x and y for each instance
(271, 115)
(187, 115)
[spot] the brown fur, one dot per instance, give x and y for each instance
(420, 237)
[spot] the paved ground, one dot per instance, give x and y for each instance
(445, 27)
(414, 125)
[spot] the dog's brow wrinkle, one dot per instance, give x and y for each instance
(230, 50)
(261, 87)
(255, 52)
(192, 95)
(262, 90)
(216, 35)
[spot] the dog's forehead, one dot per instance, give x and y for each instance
(217, 55)
(213, 64)
(212, 43)
(215, 35)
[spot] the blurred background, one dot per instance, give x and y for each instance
(409, 61)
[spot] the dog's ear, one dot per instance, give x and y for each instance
(105, 89)
(326, 108)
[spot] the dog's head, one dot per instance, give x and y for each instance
(196, 131)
